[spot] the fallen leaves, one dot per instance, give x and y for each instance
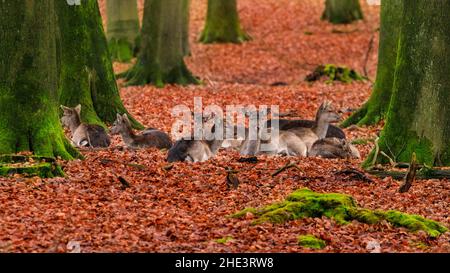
(184, 207)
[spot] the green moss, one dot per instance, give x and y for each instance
(362, 141)
(29, 166)
(414, 223)
(141, 74)
(310, 241)
(121, 50)
(41, 169)
(305, 203)
(335, 73)
(224, 240)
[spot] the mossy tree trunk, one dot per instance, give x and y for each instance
(122, 28)
(222, 23)
(87, 75)
(162, 50)
(29, 119)
(342, 11)
(375, 109)
(418, 119)
(186, 23)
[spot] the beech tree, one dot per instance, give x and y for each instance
(87, 75)
(342, 11)
(52, 53)
(29, 101)
(122, 28)
(222, 23)
(375, 109)
(163, 45)
(418, 116)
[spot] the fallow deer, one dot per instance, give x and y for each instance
(83, 135)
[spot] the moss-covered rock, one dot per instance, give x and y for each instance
(310, 241)
(334, 73)
(305, 203)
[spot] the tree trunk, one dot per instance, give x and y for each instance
(186, 23)
(418, 119)
(87, 76)
(222, 23)
(342, 11)
(375, 109)
(160, 59)
(122, 28)
(29, 105)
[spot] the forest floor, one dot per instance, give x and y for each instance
(185, 208)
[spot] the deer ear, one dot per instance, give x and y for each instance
(125, 117)
(64, 108)
(118, 116)
(78, 108)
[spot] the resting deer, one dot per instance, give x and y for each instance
(334, 148)
(149, 138)
(325, 115)
(195, 150)
(285, 124)
(83, 135)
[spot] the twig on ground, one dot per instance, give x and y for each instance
(355, 173)
(285, 167)
(410, 176)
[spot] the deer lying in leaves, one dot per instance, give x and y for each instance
(312, 140)
(83, 135)
(334, 148)
(191, 150)
(149, 138)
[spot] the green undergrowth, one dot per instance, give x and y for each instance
(310, 241)
(363, 141)
(29, 166)
(305, 203)
(224, 240)
(334, 73)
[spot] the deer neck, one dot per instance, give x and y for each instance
(128, 135)
(75, 122)
(214, 145)
(321, 128)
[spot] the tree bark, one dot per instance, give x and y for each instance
(29, 118)
(186, 24)
(418, 119)
(122, 28)
(160, 59)
(375, 109)
(222, 23)
(87, 75)
(342, 11)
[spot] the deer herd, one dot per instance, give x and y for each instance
(300, 138)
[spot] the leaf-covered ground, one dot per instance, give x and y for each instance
(185, 208)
